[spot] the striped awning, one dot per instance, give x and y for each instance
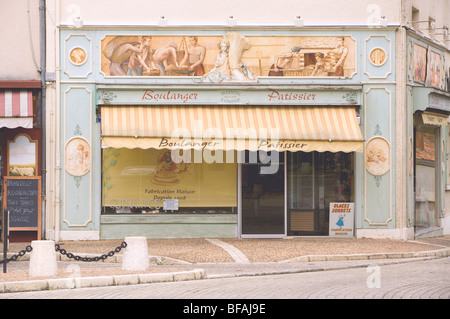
(16, 108)
(432, 118)
(306, 129)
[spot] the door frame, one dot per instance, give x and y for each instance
(239, 229)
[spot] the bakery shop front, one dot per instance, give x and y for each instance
(207, 162)
(218, 134)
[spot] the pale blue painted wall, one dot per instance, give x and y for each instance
(81, 196)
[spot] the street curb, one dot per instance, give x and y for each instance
(100, 281)
(314, 258)
(298, 271)
(196, 274)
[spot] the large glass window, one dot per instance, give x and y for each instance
(138, 181)
(425, 173)
(314, 180)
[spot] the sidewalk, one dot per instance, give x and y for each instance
(189, 259)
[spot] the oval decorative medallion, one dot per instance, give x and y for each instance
(378, 158)
(378, 56)
(77, 56)
(77, 156)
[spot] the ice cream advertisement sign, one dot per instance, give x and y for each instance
(341, 219)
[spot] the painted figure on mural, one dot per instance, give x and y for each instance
(420, 63)
(336, 57)
(238, 44)
(228, 65)
(319, 67)
(290, 61)
(166, 57)
(119, 57)
(221, 70)
(194, 57)
(317, 56)
(142, 61)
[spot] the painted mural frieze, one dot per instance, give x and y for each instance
(426, 65)
(231, 57)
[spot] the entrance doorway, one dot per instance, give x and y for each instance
(295, 200)
(314, 180)
(263, 199)
(425, 171)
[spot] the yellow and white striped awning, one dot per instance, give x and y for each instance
(284, 128)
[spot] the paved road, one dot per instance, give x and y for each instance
(422, 279)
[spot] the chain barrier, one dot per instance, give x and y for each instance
(89, 259)
(19, 254)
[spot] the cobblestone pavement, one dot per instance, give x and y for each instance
(223, 258)
(428, 279)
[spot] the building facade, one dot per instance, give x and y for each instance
(22, 100)
(247, 123)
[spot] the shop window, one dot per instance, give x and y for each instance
(139, 180)
(22, 156)
(425, 176)
(314, 180)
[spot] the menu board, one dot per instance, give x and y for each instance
(22, 200)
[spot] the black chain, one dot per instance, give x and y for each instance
(88, 259)
(14, 257)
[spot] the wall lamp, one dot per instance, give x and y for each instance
(78, 22)
(383, 21)
(231, 21)
(298, 22)
(431, 23)
(162, 21)
(423, 21)
(444, 31)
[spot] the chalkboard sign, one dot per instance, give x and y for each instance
(22, 199)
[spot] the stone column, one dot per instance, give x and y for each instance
(43, 258)
(135, 256)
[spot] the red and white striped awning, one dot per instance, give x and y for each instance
(16, 108)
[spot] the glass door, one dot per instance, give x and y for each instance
(425, 177)
(262, 199)
(313, 181)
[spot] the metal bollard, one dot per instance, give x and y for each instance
(43, 258)
(135, 255)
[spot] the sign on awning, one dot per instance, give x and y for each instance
(434, 118)
(268, 128)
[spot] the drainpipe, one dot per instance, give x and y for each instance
(56, 177)
(43, 116)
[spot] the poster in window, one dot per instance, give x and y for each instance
(425, 145)
(146, 177)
